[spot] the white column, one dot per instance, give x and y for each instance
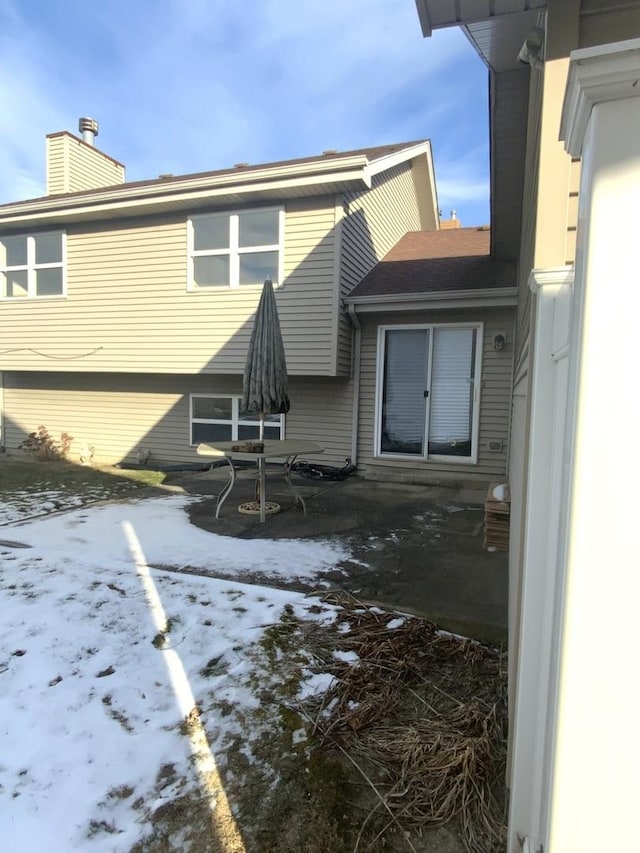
(594, 787)
(541, 576)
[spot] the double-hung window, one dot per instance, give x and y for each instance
(32, 265)
(428, 392)
(218, 418)
(235, 249)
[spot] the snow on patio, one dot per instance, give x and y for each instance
(107, 666)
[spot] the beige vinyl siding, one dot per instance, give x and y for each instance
(550, 212)
(118, 413)
(374, 220)
(73, 165)
(495, 397)
(572, 212)
(527, 241)
(128, 309)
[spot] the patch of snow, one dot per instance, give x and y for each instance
(168, 538)
(104, 658)
(313, 683)
(299, 736)
(24, 504)
(395, 623)
(347, 657)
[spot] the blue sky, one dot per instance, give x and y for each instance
(193, 85)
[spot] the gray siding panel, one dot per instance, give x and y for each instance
(495, 395)
(117, 413)
(128, 309)
(373, 223)
(600, 24)
(509, 97)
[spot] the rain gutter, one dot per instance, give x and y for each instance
(355, 410)
(128, 197)
(494, 297)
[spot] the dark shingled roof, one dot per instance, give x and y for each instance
(371, 153)
(437, 261)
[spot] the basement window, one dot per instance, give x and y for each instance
(214, 418)
(32, 265)
(235, 249)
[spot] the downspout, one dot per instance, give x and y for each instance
(355, 370)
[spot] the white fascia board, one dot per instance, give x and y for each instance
(388, 161)
(423, 15)
(434, 189)
(596, 74)
(495, 297)
(128, 198)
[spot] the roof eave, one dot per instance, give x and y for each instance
(492, 297)
(388, 161)
(128, 199)
(425, 20)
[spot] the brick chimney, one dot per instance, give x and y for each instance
(454, 222)
(75, 164)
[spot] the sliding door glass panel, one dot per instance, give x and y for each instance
(403, 393)
(452, 391)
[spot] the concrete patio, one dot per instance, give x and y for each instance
(414, 548)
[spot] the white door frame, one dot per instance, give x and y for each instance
(475, 421)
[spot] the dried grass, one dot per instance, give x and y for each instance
(422, 716)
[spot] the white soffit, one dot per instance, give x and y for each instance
(496, 28)
(435, 14)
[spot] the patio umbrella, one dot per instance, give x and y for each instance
(265, 383)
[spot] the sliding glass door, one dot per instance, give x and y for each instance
(427, 394)
(404, 413)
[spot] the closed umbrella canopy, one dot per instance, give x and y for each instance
(265, 384)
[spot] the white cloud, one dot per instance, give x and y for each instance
(27, 113)
(463, 185)
(189, 86)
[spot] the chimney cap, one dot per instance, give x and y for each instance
(88, 127)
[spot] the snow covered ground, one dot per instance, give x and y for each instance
(111, 671)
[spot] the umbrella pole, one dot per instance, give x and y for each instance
(261, 469)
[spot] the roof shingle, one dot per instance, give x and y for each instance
(372, 154)
(424, 262)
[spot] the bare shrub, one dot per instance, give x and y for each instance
(44, 447)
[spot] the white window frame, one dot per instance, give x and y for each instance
(235, 422)
(475, 421)
(234, 250)
(31, 267)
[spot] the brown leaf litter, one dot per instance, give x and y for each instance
(422, 716)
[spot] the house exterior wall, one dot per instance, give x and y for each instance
(127, 307)
(74, 165)
(369, 232)
(602, 346)
(118, 413)
(550, 224)
(508, 93)
(583, 356)
(495, 397)
(603, 22)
